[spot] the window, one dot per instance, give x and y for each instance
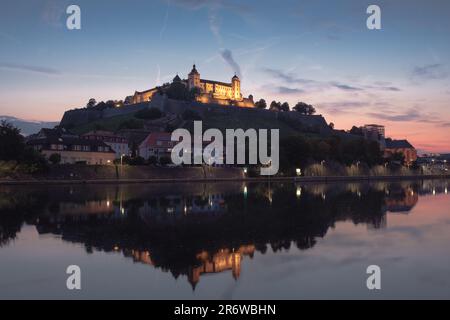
(86, 148)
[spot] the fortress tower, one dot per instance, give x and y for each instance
(236, 87)
(194, 79)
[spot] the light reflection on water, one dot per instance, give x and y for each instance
(233, 240)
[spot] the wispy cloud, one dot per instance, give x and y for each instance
(30, 68)
(345, 87)
(436, 71)
(383, 88)
(342, 106)
(412, 114)
(166, 18)
(409, 115)
(214, 23)
(227, 56)
(286, 76)
(287, 90)
(314, 85)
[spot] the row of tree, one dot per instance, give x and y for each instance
(92, 104)
(300, 107)
(298, 152)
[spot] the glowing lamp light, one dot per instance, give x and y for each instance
(298, 171)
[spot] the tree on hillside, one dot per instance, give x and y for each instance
(128, 100)
(100, 106)
(178, 91)
(284, 107)
(304, 108)
(111, 103)
(261, 104)
(91, 103)
(275, 106)
(194, 93)
(357, 131)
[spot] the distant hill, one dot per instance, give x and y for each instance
(28, 127)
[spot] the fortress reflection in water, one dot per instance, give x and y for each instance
(199, 229)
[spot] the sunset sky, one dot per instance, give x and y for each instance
(317, 51)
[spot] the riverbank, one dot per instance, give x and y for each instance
(83, 174)
(324, 179)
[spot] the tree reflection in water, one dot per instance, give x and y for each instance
(198, 229)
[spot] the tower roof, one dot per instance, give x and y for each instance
(194, 70)
(177, 79)
(235, 77)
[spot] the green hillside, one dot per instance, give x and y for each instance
(109, 124)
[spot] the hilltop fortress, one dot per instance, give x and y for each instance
(207, 91)
(221, 102)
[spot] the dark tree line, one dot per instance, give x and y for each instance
(297, 151)
(13, 149)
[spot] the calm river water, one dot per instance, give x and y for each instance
(226, 240)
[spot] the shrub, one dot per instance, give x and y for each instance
(164, 161)
(152, 160)
(55, 158)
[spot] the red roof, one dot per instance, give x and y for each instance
(164, 139)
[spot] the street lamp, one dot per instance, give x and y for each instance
(298, 171)
(121, 163)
